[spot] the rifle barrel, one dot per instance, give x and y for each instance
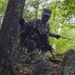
(67, 38)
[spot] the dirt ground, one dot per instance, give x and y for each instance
(55, 68)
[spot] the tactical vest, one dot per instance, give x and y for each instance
(31, 34)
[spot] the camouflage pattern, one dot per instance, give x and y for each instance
(34, 43)
(40, 65)
(44, 29)
(68, 63)
(34, 39)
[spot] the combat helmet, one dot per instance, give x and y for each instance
(47, 12)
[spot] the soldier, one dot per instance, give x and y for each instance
(34, 37)
(36, 32)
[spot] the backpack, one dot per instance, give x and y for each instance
(26, 34)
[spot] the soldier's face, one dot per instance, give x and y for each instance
(45, 18)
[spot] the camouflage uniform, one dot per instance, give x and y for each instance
(40, 64)
(34, 28)
(34, 40)
(36, 33)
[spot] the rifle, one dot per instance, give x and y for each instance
(41, 38)
(67, 38)
(44, 42)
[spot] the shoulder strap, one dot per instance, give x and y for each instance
(36, 21)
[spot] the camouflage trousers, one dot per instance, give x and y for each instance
(41, 66)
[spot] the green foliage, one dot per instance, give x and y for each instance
(62, 19)
(68, 7)
(3, 5)
(63, 11)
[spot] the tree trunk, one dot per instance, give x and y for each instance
(9, 29)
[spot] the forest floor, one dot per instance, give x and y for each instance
(56, 68)
(56, 64)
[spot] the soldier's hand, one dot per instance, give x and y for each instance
(21, 21)
(58, 36)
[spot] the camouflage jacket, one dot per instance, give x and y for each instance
(33, 40)
(43, 29)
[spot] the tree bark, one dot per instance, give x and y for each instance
(9, 29)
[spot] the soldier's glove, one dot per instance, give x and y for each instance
(57, 36)
(21, 21)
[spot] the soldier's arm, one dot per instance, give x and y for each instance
(54, 35)
(24, 25)
(51, 34)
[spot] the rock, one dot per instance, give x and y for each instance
(68, 63)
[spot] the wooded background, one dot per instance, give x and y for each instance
(62, 22)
